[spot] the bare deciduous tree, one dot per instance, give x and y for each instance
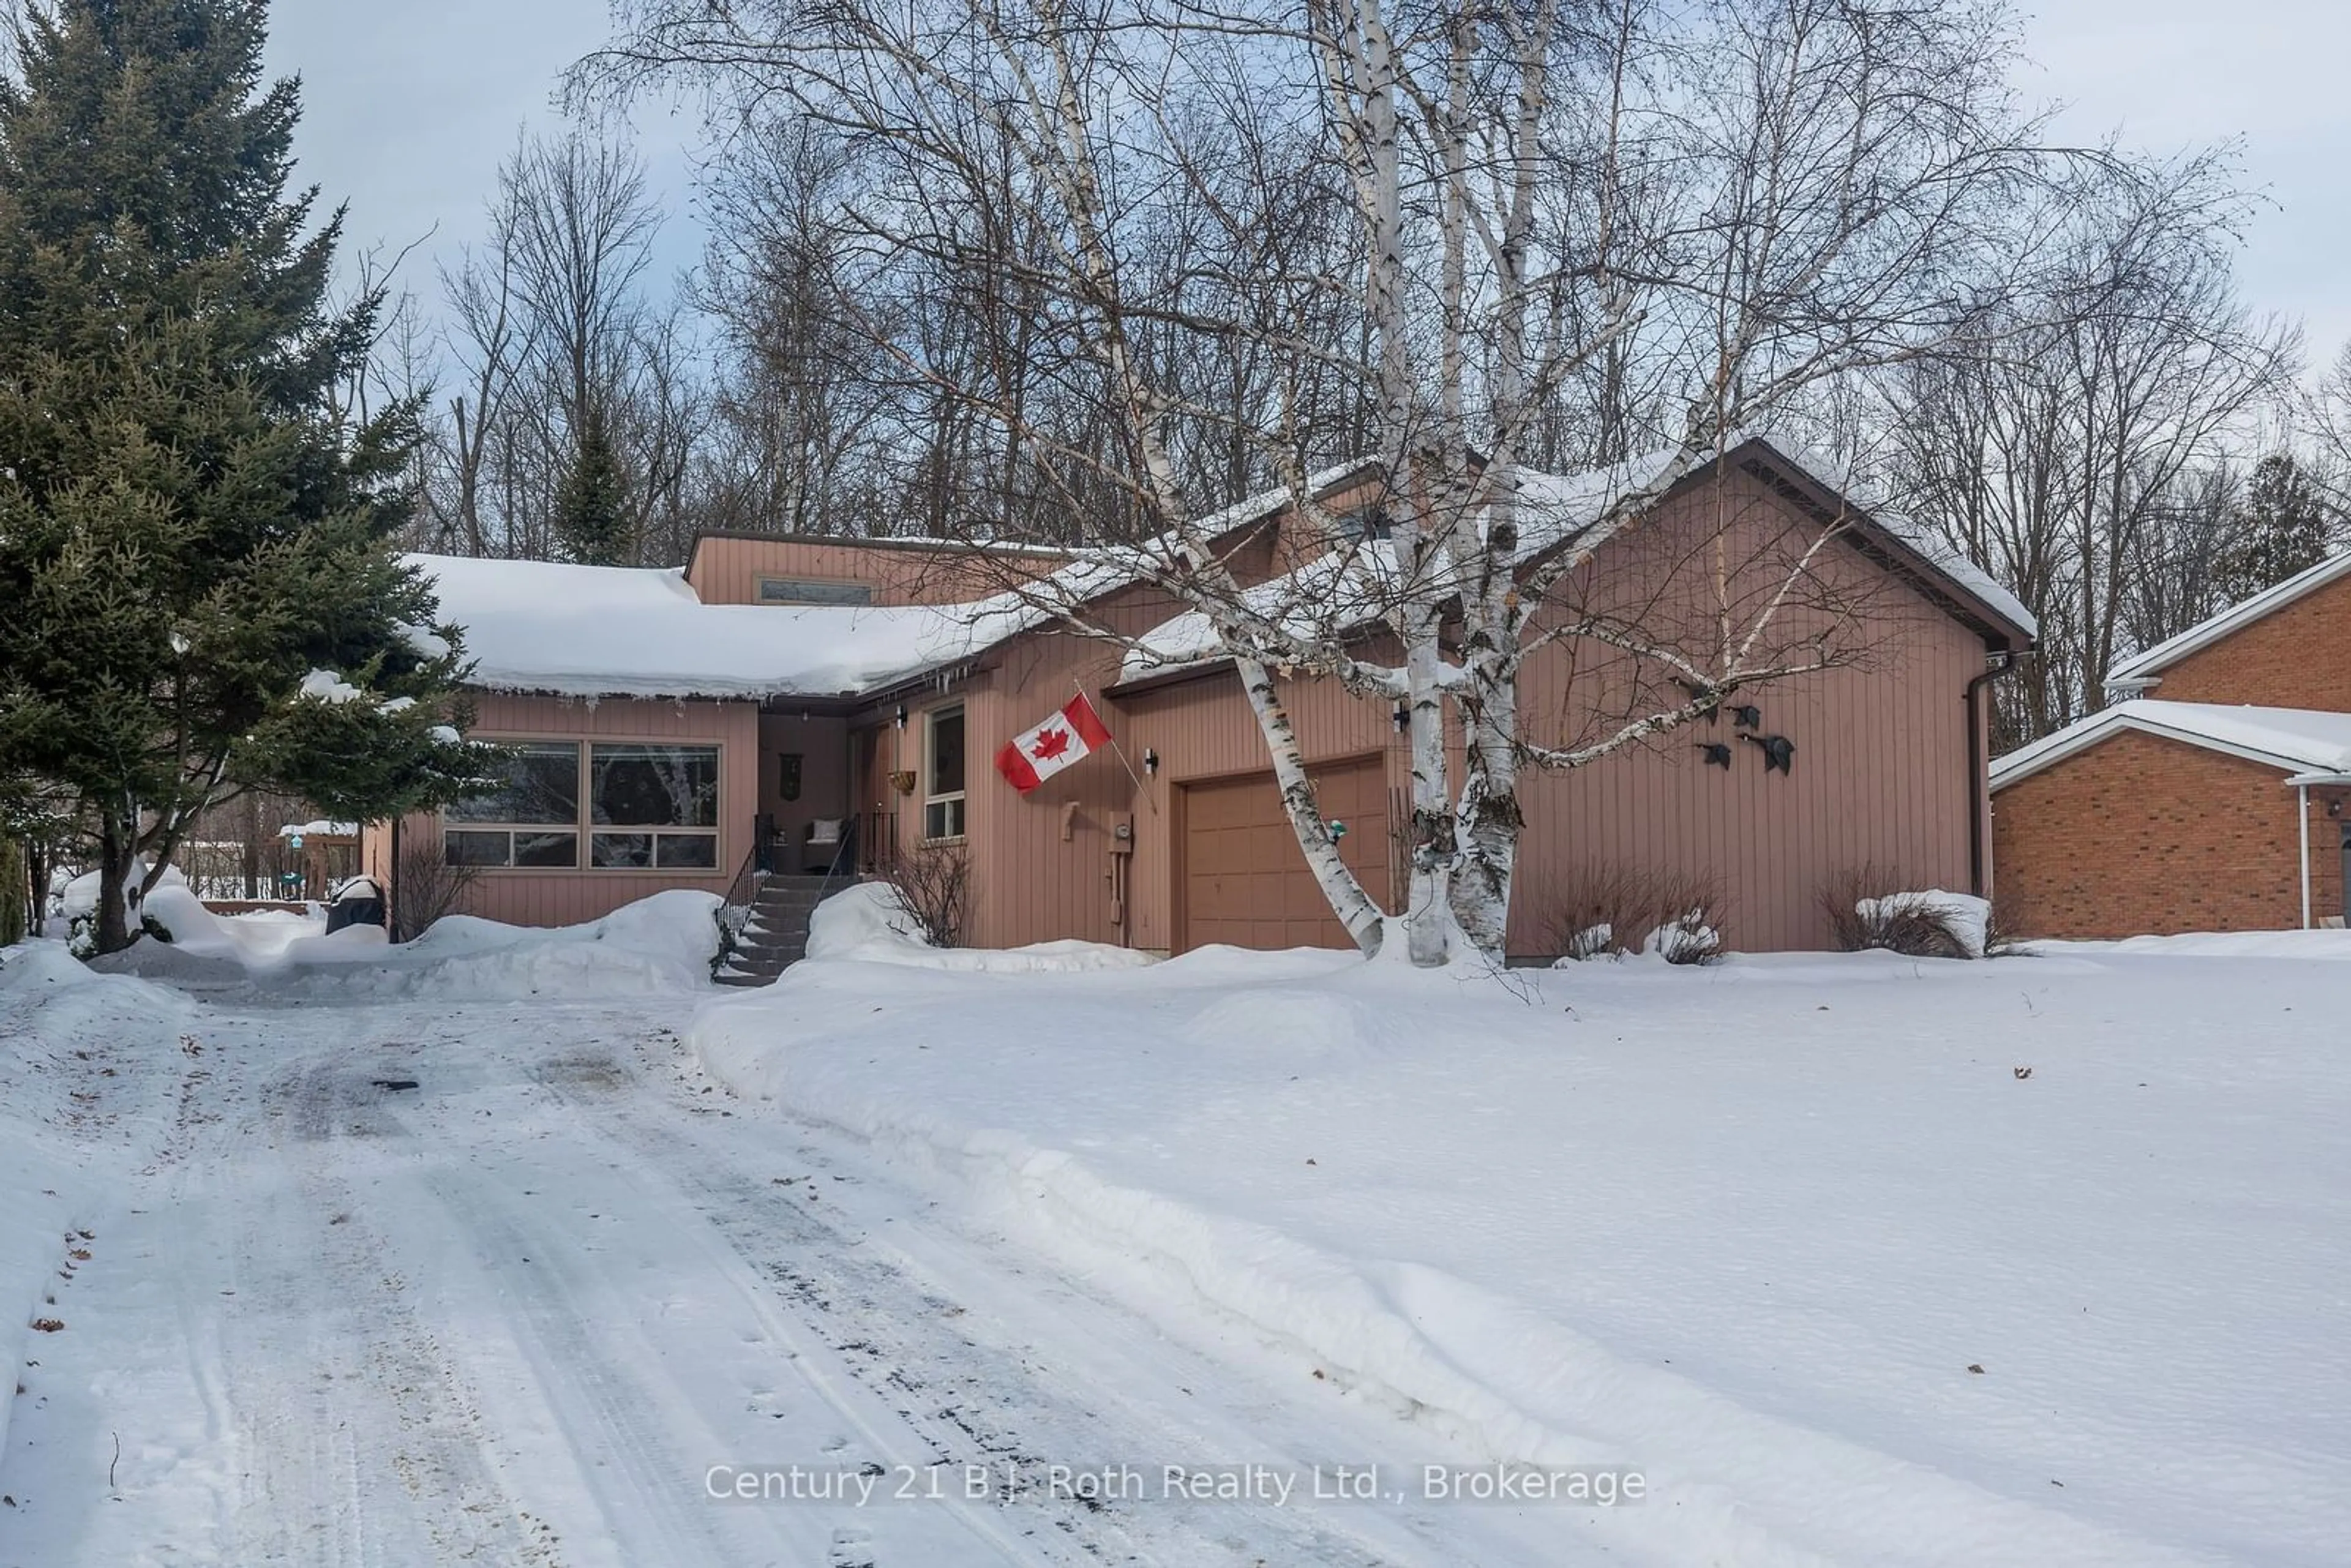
(2073, 446)
(1695, 215)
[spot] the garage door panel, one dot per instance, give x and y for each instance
(1245, 878)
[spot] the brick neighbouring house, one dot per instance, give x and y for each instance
(2222, 802)
(822, 699)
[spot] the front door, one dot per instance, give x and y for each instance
(2346, 873)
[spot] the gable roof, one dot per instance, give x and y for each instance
(1557, 510)
(2142, 669)
(1910, 549)
(2310, 743)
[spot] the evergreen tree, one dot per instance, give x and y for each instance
(2281, 527)
(591, 522)
(189, 533)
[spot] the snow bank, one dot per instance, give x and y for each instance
(2330, 943)
(262, 942)
(1752, 1239)
(663, 943)
(68, 1118)
(869, 924)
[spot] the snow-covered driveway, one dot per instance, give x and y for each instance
(518, 1312)
(1852, 1260)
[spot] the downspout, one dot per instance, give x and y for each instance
(1979, 786)
(2302, 810)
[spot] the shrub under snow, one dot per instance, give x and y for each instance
(1933, 923)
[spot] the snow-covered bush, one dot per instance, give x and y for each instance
(1591, 942)
(1920, 923)
(1691, 937)
(1605, 910)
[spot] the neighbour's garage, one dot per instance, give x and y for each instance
(1242, 879)
(2154, 818)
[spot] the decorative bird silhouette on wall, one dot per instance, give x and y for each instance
(1718, 755)
(1779, 751)
(1747, 716)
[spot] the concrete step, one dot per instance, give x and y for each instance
(779, 909)
(776, 920)
(793, 941)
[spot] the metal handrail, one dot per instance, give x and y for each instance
(734, 911)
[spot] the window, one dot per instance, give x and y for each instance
(639, 807)
(531, 820)
(668, 797)
(813, 591)
(943, 774)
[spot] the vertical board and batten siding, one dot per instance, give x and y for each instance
(1041, 862)
(570, 897)
(726, 570)
(1880, 778)
(1880, 775)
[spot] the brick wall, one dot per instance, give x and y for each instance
(2297, 656)
(2140, 834)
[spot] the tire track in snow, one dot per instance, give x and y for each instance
(589, 1368)
(964, 1401)
(643, 1486)
(333, 1381)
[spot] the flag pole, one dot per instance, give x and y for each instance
(1149, 799)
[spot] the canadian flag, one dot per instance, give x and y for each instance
(1030, 759)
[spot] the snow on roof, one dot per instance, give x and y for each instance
(2311, 744)
(319, 829)
(2141, 668)
(596, 631)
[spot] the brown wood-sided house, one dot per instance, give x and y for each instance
(2213, 795)
(822, 701)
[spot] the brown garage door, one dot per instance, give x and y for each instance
(1245, 878)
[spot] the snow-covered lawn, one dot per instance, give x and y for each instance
(1854, 1259)
(1799, 1242)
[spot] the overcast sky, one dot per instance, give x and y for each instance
(410, 105)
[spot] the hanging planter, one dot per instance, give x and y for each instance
(903, 782)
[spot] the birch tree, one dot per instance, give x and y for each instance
(1680, 217)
